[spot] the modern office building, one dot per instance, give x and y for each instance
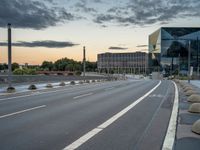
(169, 49)
(123, 62)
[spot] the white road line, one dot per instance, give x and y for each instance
(171, 131)
(35, 94)
(32, 94)
(109, 88)
(22, 111)
(98, 129)
(84, 95)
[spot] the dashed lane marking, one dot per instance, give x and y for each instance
(22, 111)
(98, 129)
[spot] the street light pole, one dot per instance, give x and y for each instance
(84, 59)
(197, 56)
(179, 65)
(10, 88)
(189, 55)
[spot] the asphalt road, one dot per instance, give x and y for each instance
(53, 120)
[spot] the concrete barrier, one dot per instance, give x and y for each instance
(11, 90)
(72, 83)
(194, 98)
(194, 108)
(190, 92)
(81, 82)
(49, 86)
(62, 84)
(196, 127)
(187, 89)
(32, 87)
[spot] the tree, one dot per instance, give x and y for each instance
(47, 65)
(15, 66)
(91, 66)
(3, 66)
(66, 64)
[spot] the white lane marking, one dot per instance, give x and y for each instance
(32, 94)
(171, 131)
(22, 111)
(84, 95)
(39, 93)
(109, 88)
(98, 129)
(83, 139)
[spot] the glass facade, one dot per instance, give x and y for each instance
(168, 50)
(126, 62)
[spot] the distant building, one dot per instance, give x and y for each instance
(135, 62)
(168, 49)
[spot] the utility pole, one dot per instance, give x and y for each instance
(179, 65)
(189, 55)
(197, 56)
(84, 59)
(10, 88)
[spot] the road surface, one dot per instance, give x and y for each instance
(120, 115)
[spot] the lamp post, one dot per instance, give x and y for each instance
(189, 57)
(179, 65)
(10, 88)
(197, 56)
(84, 59)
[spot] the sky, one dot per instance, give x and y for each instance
(53, 29)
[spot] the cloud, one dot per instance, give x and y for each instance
(82, 5)
(32, 14)
(147, 12)
(142, 45)
(47, 44)
(36, 14)
(117, 48)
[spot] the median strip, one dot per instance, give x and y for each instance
(98, 129)
(84, 95)
(22, 111)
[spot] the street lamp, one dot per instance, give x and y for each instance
(10, 88)
(84, 59)
(189, 57)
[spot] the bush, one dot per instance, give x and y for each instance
(18, 72)
(183, 78)
(24, 71)
(29, 71)
(70, 74)
(78, 73)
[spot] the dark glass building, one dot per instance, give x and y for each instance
(168, 50)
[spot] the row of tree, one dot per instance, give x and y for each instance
(5, 66)
(66, 64)
(63, 64)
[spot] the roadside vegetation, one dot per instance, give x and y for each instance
(63, 64)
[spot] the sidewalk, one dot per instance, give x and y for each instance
(196, 83)
(185, 138)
